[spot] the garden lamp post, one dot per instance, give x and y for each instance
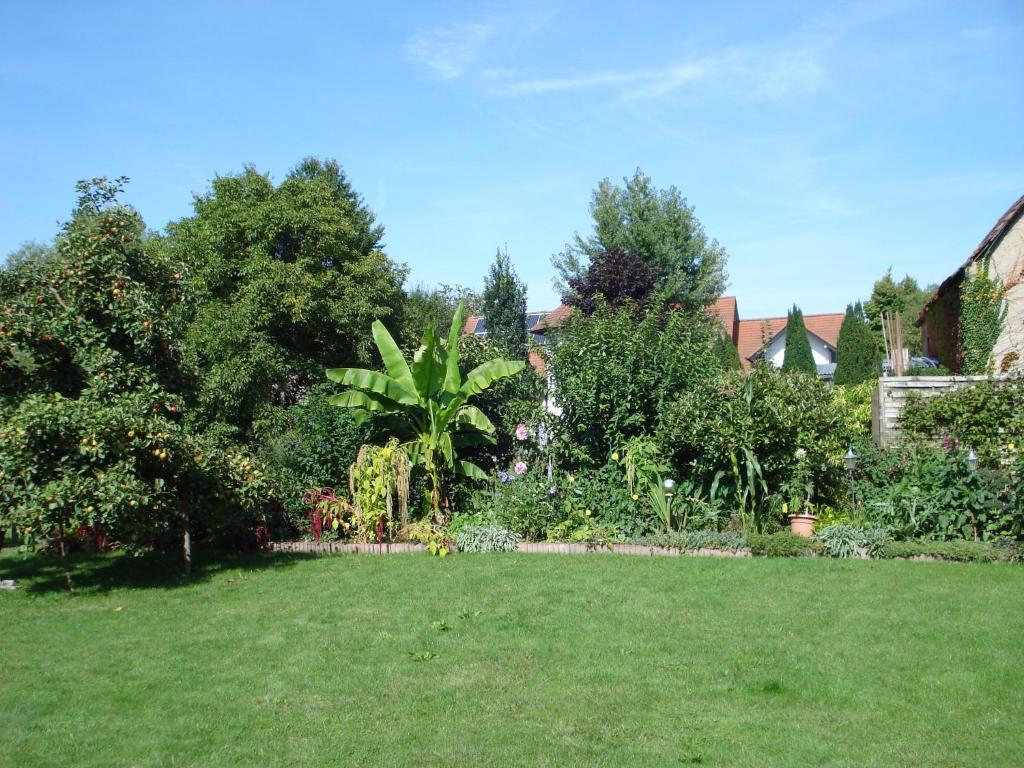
(972, 460)
(850, 460)
(669, 486)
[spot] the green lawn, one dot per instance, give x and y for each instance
(541, 660)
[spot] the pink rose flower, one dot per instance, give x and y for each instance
(521, 432)
(520, 467)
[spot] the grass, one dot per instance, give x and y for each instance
(532, 660)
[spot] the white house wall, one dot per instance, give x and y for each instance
(776, 350)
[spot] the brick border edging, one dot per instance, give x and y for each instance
(332, 547)
(544, 547)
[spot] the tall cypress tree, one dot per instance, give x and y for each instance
(798, 347)
(504, 307)
(727, 354)
(856, 352)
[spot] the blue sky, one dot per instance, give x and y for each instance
(819, 142)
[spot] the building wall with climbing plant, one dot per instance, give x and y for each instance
(975, 322)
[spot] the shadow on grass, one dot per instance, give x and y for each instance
(98, 573)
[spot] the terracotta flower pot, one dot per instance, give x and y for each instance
(802, 525)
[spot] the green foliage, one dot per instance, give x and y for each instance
(486, 538)
(604, 492)
(798, 356)
(781, 544)
(857, 358)
(616, 374)
(426, 406)
(432, 306)
(527, 505)
(927, 491)
(287, 278)
(962, 551)
(504, 307)
(986, 415)
(379, 479)
(580, 527)
(92, 394)
(743, 434)
(982, 313)
(433, 536)
(905, 299)
(850, 541)
(726, 353)
(306, 445)
(507, 403)
(727, 541)
(852, 403)
(662, 231)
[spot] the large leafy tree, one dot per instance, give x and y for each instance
(798, 346)
(286, 278)
(856, 352)
(660, 228)
(617, 276)
(504, 307)
(92, 392)
(426, 405)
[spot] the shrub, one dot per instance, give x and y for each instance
(527, 505)
(923, 490)
(307, 445)
(486, 538)
(580, 527)
(781, 544)
(852, 403)
(605, 493)
(755, 432)
(987, 416)
(616, 374)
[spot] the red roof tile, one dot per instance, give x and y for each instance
(725, 310)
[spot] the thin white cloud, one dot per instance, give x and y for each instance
(760, 73)
(448, 52)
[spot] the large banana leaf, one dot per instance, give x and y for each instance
(426, 368)
(394, 360)
(483, 376)
(376, 382)
(470, 414)
(368, 401)
(469, 469)
(452, 375)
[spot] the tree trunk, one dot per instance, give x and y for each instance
(186, 546)
(64, 560)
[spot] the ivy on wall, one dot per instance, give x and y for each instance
(982, 312)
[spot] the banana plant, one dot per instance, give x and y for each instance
(426, 405)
